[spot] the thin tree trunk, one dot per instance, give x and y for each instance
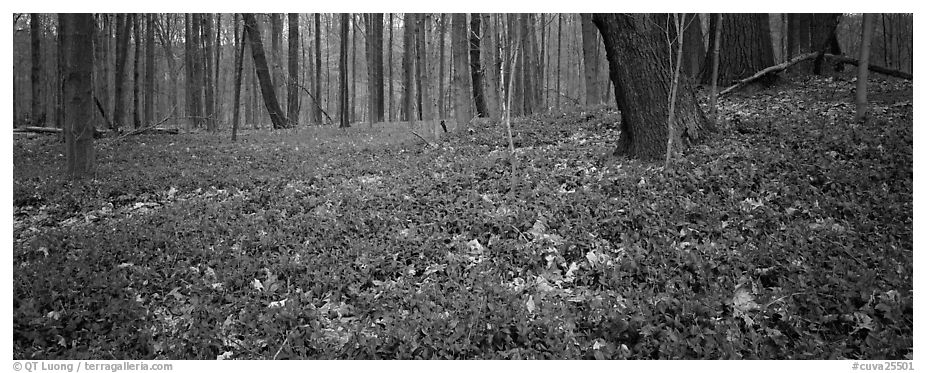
(442, 31)
(136, 114)
(36, 71)
(559, 58)
(391, 106)
(408, 64)
(292, 102)
(343, 104)
(427, 99)
(149, 67)
(239, 57)
(353, 72)
(276, 37)
(208, 83)
(489, 57)
(861, 90)
(123, 27)
(475, 24)
(716, 65)
(317, 110)
(219, 103)
(263, 72)
(76, 31)
(196, 60)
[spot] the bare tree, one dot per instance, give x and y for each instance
(136, 82)
(263, 72)
(475, 24)
(123, 27)
(208, 58)
(239, 57)
(317, 112)
(590, 60)
(489, 58)
(149, 67)
(408, 65)
(76, 31)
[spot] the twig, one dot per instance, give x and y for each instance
(285, 340)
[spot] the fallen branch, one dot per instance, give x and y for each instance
(172, 131)
(37, 129)
(422, 138)
(102, 112)
(807, 56)
(314, 101)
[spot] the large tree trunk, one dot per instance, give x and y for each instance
(263, 72)
(590, 60)
(427, 99)
(292, 101)
(824, 37)
(391, 106)
(489, 58)
(123, 27)
(476, 71)
(149, 67)
(693, 47)
(745, 48)
(794, 32)
(239, 57)
(353, 71)
(463, 111)
(528, 68)
(35, 29)
(343, 104)
(638, 57)
(408, 65)
(77, 35)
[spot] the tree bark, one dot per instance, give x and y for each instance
(441, 37)
(745, 48)
(476, 71)
(489, 58)
(391, 106)
(559, 57)
(136, 83)
(427, 99)
(123, 28)
(317, 110)
(343, 104)
(408, 65)
(276, 37)
(239, 57)
(77, 35)
(794, 32)
(376, 59)
(693, 47)
(861, 90)
(292, 102)
(196, 67)
(263, 72)
(353, 71)
(639, 68)
(528, 66)
(590, 60)
(207, 62)
(149, 67)
(463, 111)
(35, 28)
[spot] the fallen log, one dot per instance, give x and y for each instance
(807, 56)
(37, 129)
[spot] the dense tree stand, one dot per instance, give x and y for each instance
(638, 58)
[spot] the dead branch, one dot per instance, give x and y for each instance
(422, 138)
(173, 131)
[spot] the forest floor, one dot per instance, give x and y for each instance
(786, 234)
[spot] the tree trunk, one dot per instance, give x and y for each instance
(35, 28)
(861, 90)
(239, 57)
(317, 110)
(276, 37)
(638, 58)
(559, 57)
(136, 83)
(391, 107)
(196, 67)
(475, 24)
(263, 72)
(408, 64)
(123, 27)
(528, 66)
(794, 32)
(745, 48)
(375, 36)
(489, 57)
(463, 111)
(217, 49)
(208, 84)
(590, 61)
(77, 35)
(442, 31)
(693, 47)
(427, 100)
(292, 102)
(343, 104)
(353, 71)
(149, 67)
(824, 37)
